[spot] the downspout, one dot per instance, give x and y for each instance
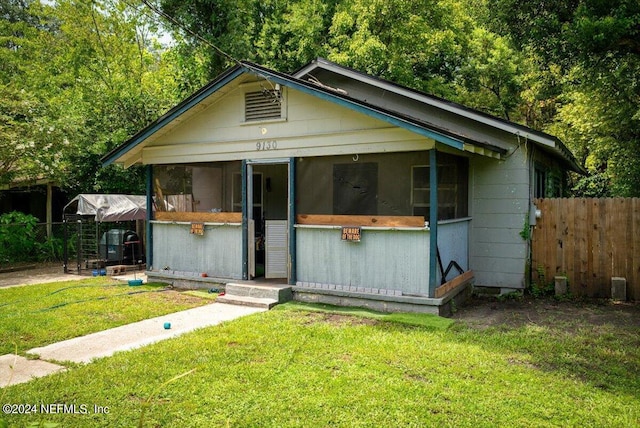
(433, 222)
(149, 225)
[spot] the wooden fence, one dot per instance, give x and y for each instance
(588, 241)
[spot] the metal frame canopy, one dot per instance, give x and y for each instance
(109, 208)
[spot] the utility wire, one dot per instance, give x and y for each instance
(188, 30)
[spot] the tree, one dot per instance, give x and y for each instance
(418, 44)
(31, 132)
(76, 80)
(596, 45)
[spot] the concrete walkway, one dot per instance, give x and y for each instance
(15, 369)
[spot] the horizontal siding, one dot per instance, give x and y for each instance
(218, 252)
(505, 280)
(509, 173)
(392, 260)
(501, 250)
(312, 127)
(514, 221)
(496, 235)
(499, 264)
(362, 141)
(499, 206)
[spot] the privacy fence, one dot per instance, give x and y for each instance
(589, 241)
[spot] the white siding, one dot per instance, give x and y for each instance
(499, 204)
(312, 127)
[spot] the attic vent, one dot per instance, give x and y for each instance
(262, 105)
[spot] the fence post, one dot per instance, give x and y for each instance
(65, 246)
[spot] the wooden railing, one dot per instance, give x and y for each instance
(360, 220)
(205, 217)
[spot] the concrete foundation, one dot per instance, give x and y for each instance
(443, 306)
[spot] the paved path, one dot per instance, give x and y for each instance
(16, 369)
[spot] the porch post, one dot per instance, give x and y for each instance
(49, 209)
(149, 225)
(245, 223)
(292, 221)
(433, 222)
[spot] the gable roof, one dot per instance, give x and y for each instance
(299, 81)
(545, 141)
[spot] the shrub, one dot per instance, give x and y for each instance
(17, 237)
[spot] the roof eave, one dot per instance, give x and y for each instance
(511, 127)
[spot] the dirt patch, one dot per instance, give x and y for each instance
(36, 274)
(483, 312)
(337, 319)
(177, 297)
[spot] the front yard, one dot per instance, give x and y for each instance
(41, 314)
(306, 366)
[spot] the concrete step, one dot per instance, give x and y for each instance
(278, 292)
(254, 302)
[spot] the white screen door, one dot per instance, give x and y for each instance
(276, 248)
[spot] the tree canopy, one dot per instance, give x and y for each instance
(77, 78)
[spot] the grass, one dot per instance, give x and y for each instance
(37, 315)
(303, 366)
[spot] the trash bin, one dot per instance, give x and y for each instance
(119, 246)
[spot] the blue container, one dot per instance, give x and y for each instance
(94, 272)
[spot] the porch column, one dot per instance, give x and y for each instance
(433, 222)
(245, 223)
(149, 225)
(292, 221)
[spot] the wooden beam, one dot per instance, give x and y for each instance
(360, 220)
(225, 217)
(450, 285)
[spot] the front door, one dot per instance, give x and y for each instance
(268, 211)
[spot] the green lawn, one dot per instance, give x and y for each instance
(300, 366)
(41, 314)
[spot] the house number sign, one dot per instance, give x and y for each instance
(266, 145)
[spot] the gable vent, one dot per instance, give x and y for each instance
(262, 105)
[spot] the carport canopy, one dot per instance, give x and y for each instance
(108, 208)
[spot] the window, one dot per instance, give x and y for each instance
(547, 183)
(452, 188)
(355, 188)
(540, 183)
(262, 105)
(200, 187)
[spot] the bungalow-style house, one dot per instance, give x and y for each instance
(350, 189)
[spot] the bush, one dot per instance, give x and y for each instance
(17, 237)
